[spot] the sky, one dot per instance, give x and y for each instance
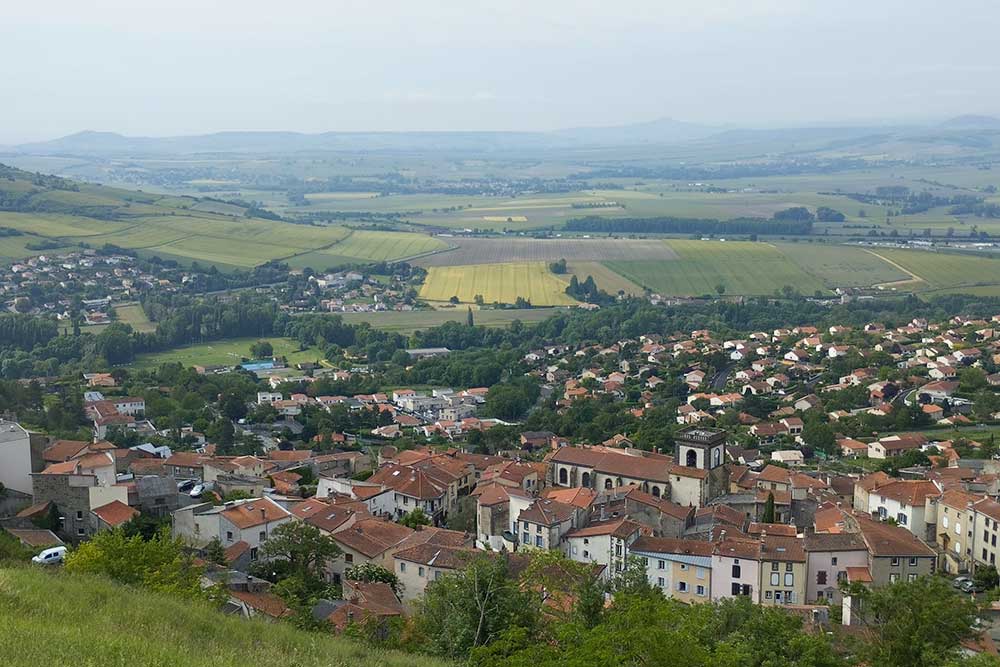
(169, 67)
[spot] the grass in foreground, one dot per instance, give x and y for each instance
(52, 618)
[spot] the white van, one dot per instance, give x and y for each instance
(53, 556)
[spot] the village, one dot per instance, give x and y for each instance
(769, 484)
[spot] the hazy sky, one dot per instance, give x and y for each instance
(159, 67)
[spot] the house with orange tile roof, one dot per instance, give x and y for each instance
(250, 521)
(113, 514)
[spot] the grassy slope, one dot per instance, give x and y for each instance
(49, 618)
(187, 229)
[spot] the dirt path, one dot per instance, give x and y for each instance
(914, 278)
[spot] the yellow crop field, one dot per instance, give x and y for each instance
(497, 282)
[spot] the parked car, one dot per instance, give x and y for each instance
(959, 582)
(51, 556)
(197, 490)
(185, 485)
(972, 587)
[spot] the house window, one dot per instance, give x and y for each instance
(775, 579)
(684, 567)
(788, 567)
(789, 579)
(586, 554)
(79, 516)
(348, 558)
(767, 595)
(736, 589)
(821, 577)
(406, 501)
(586, 540)
(700, 590)
(833, 560)
(913, 562)
(525, 538)
(618, 552)
(894, 562)
(574, 550)
(229, 536)
(901, 519)
(737, 571)
(437, 575)
(660, 565)
(420, 571)
(660, 582)
(80, 531)
(911, 577)
(699, 572)
(774, 567)
(402, 567)
(682, 586)
(253, 553)
(262, 535)
(893, 577)
(538, 528)
(538, 540)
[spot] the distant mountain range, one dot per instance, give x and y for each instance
(665, 131)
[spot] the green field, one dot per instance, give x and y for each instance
(368, 246)
(133, 315)
(741, 267)
(497, 282)
(226, 352)
(606, 279)
(942, 271)
(54, 618)
(408, 322)
(841, 266)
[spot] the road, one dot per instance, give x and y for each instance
(721, 378)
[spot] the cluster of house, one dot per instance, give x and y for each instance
(108, 277)
(442, 411)
(352, 292)
(789, 366)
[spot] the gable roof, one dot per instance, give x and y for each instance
(372, 537)
(884, 539)
(63, 450)
(250, 513)
(669, 545)
(115, 513)
(547, 512)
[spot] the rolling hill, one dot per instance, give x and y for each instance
(41, 213)
(51, 618)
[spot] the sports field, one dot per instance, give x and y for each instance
(497, 282)
(740, 267)
(226, 352)
(133, 315)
